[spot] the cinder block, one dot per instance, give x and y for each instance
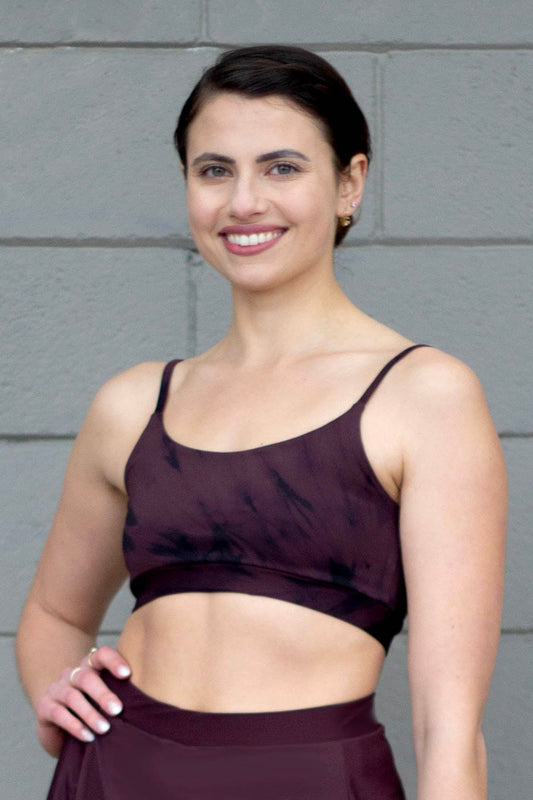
(87, 141)
(213, 305)
(456, 140)
(506, 728)
(36, 21)
(518, 604)
(25, 767)
(235, 21)
(138, 21)
(31, 476)
(378, 22)
(118, 612)
(76, 316)
(133, 21)
(468, 301)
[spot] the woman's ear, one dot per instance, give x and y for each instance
(352, 184)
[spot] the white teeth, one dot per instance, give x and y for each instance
(254, 238)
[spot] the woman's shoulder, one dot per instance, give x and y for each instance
(140, 381)
(442, 400)
(116, 418)
(435, 377)
(128, 398)
(426, 375)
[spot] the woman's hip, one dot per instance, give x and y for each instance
(156, 750)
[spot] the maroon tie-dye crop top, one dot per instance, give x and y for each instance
(303, 520)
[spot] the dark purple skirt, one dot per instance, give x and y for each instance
(156, 751)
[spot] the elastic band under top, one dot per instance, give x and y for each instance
(295, 726)
(165, 381)
(381, 374)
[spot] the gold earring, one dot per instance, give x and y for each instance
(345, 221)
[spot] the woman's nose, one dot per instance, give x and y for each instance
(247, 198)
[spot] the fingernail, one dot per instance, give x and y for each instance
(114, 708)
(87, 735)
(123, 671)
(103, 725)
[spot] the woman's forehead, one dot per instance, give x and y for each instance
(230, 118)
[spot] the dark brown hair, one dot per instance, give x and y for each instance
(304, 78)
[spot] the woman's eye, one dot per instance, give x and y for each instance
(283, 169)
(214, 171)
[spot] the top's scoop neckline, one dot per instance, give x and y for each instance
(259, 447)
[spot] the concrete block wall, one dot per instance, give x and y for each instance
(98, 270)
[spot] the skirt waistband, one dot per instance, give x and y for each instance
(300, 725)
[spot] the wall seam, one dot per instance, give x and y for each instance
(183, 243)
(382, 47)
(205, 20)
(192, 307)
(380, 113)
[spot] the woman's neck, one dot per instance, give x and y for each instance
(267, 327)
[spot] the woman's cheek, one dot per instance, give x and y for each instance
(203, 212)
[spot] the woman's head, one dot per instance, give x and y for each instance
(301, 78)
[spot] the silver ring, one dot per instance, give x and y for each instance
(73, 673)
(91, 652)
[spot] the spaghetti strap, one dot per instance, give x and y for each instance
(165, 380)
(381, 374)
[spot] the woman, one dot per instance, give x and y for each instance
(295, 487)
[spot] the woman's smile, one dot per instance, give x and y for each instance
(247, 240)
(261, 180)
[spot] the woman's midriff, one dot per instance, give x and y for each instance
(234, 652)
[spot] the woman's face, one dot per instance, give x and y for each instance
(262, 192)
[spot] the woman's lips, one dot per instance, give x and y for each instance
(248, 244)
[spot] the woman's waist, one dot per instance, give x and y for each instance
(218, 656)
(318, 723)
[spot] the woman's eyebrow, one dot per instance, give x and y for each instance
(212, 157)
(286, 153)
(281, 154)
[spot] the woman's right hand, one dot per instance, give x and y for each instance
(54, 709)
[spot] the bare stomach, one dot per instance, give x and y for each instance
(233, 652)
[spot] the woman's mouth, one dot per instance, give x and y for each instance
(250, 243)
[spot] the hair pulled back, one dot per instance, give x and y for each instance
(303, 78)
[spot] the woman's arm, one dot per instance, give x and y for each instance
(82, 567)
(453, 519)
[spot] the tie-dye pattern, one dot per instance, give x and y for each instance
(304, 520)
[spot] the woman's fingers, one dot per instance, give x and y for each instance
(106, 657)
(75, 702)
(50, 712)
(89, 682)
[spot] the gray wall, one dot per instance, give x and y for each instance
(98, 271)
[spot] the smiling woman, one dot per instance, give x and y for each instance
(278, 502)
(272, 174)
